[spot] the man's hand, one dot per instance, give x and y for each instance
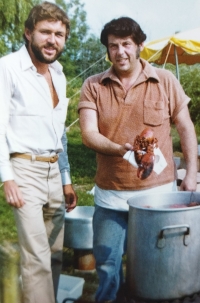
(189, 183)
(13, 194)
(124, 148)
(70, 197)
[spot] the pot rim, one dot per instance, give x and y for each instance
(163, 207)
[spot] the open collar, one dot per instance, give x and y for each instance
(148, 72)
(27, 63)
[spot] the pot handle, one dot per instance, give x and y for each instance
(161, 238)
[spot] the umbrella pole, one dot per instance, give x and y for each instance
(176, 60)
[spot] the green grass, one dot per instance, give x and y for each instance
(82, 159)
(82, 165)
(7, 227)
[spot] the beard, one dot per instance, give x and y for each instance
(41, 57)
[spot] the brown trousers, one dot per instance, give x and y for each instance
(40, 227)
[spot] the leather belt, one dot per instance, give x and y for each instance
(34, 157)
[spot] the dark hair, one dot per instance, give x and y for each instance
(46, 11)
(122, 27)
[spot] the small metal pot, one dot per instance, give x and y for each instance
(78, 228)
(163, 253)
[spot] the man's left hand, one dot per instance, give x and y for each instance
(70, 197)
(189, 183)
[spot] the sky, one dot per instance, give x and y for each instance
(157, 18)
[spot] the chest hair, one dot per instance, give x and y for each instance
(54, 95)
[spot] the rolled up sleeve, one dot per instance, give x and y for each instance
(64, 162)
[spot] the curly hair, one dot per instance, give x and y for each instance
(46, 11)
(123, 27)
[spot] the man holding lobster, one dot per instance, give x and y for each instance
(130, 107)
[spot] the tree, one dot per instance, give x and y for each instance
(12, 16)
(93, 57)
(82, 49)
(190, 79)
(78, 30)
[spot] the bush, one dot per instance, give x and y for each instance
(82, 159)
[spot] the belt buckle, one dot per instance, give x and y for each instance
(53, 159)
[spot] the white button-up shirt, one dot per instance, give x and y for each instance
(28, 121)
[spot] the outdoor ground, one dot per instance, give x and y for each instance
(90, 277)
(91, 283)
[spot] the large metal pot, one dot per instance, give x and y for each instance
(163, 253)
(78, 228)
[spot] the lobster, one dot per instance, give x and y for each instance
(144, 145)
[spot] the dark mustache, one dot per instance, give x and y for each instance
(49, 44)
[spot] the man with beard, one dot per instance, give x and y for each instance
(34, 165)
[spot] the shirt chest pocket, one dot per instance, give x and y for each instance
(153, 112)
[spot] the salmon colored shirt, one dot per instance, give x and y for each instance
(154, 101)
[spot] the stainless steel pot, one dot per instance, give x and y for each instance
(78, 228)
(163, 253)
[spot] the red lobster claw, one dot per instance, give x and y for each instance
(144, 145)
(146, 166)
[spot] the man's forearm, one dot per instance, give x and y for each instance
(189, 147)
(101, 144)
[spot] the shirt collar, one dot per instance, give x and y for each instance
(27, 63)
(148, 72)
